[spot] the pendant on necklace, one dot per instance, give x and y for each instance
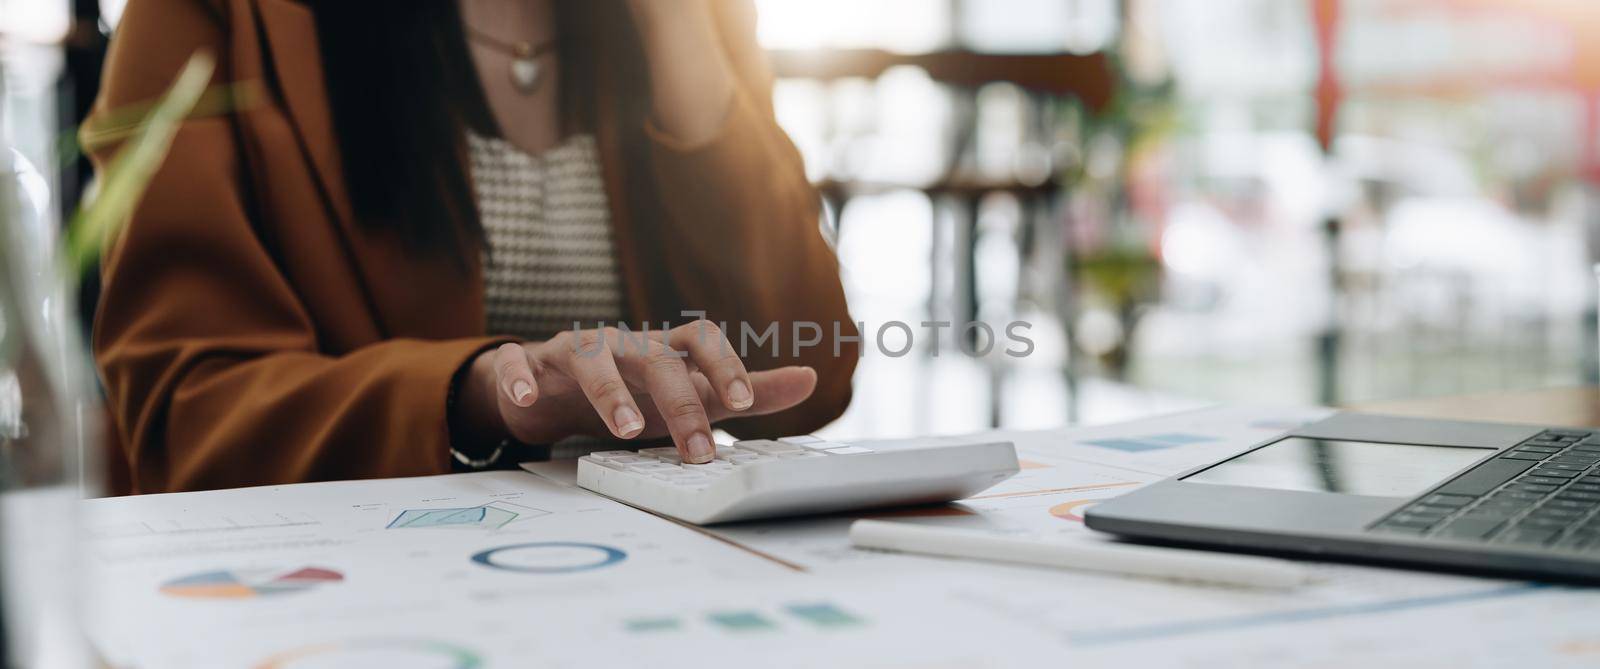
(524, 69)
(525, 75)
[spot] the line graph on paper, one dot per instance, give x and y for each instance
(202, 524)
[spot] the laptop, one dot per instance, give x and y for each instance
(1515, 500)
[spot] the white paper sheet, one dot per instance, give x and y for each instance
(168, 565)
(786, 621)
(383, 573)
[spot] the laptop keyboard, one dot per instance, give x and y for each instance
(1545, 492)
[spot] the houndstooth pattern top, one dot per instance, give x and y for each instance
(550, 259)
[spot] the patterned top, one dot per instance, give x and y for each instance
(550, 259)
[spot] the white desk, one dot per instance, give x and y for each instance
(509, 569)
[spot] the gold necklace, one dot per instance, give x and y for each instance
(524, 69)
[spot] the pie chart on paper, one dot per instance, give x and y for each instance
(248, 583)
(1073, 510)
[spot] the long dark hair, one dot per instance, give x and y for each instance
(403, 88)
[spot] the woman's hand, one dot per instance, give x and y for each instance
(592, 382)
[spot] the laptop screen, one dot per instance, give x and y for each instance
(1350, 467)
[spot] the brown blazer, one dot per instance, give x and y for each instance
(250, 332)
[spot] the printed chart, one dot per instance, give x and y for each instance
(550, 557)
(248, 583)
(1073, 510)
(387, 653)
(491, 516)
(190, 524)
(1153, 442)
(812, 615)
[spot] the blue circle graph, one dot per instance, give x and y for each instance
(605, 556)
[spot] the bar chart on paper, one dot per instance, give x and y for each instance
(1152, 442)
(806, 615)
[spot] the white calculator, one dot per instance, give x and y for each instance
(798, 475)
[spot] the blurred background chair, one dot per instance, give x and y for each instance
(1189, 201)
(1257, 201)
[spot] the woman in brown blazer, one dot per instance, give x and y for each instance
(318, 285)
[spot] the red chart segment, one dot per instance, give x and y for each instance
(248, 583)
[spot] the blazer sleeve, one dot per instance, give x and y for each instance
(210, 362)
(740, 208)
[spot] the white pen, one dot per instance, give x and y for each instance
(1132, 560)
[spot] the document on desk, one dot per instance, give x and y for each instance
(311, 563)
(508, 569)
(473, 571)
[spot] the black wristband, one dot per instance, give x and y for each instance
(464, 453)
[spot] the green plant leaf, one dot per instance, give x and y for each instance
(124, 180)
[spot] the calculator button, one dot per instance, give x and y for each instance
(800, 440)
(611, 464)
(766, 447)
(612, 455)
(651, 467)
